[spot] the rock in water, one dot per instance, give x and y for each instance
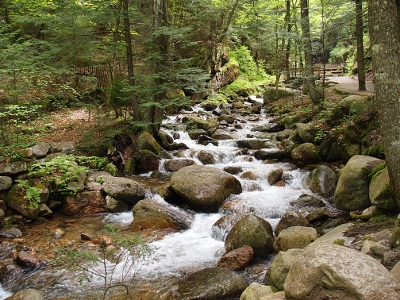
(328, 271)
(210, 284)
(204, 188)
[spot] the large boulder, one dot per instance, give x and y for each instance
(204, 188)
(256, 291)
(253, 231)
(30, 294)
(328, 271)
(304, 132)
(39, 150)
(306, 153)
(146, 141)
(209, 125)
(281, 265)
(14, 168)
(352, 190)
(5, 183)
(290, 219)
(173, 165)
(85, 203)
(295, 237)
(237, 259)
(221, 134)
(146, 161)
(322, 181)
(150, 214)
(124, 189)
(17, 200)
(210, 284)
(379, 192)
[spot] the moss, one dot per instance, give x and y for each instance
(395, 238)
(216, 99)
(376, 171)
(339, 242)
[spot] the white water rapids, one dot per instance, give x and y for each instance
(200, 246)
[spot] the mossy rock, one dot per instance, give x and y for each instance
(146, 141)
(17, 200)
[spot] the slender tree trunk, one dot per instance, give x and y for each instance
(129, 57)
(384, 29)
(288, 44)
(309, 80)
(160, 8)
(360, 46)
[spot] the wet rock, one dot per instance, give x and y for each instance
(5, 183)
(30, 294)
(250, 175)
(237, 259)
(221, 134)
(3, 205)
(210, 283)
(379, 192)
(115, 206)
(281, 265)
(352, 190)
(146, 141)
(10, 232)
(209, 125)
(319, 214)
(290, 219)
(86, 237)
(224, 225)
(275, 296)
(206, 158)
(58, 233)
(39, 150)
(165, 139)
(85, 203)
(2, 214)
(124, 189)
(322, 181)
(270, 127)
(27, 261)
(14, 168)
(295, 237)
(257, 291)
(256, 144)
(173, 165)
(195, 134)
(205, 140)
(233, 170)
(269, 154)
(230, 119)
(44, 210)
(10, 275)
(330, 271)
(146, 161)
(149, 214)
(306, 153)
(283, 135)
(274, 176)
(204, 188)
(308, 201)
(253, 231)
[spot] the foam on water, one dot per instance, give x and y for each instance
(3, 293)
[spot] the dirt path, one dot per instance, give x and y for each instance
(349, 84)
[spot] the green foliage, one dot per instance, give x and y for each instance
(31, 193)
(128, 251)
(247, 66)
(58, 173)
(13, 118)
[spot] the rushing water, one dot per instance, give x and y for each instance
(202, 245)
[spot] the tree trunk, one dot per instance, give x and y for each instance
(360, 46)
(309, 80)
(384, 29)
(288, 44)
(129, 57)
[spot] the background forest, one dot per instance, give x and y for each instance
(139, 59)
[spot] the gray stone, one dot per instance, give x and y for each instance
(115, 205)
(327, 271)
(5, 183)
(322, 181)
(295, 237)
(10, 232)
(68, 147)
(281, 265)
(352, 190)
(39, 150)
(306, 153)
(204, 188)
(256, 291)
(173, 165)
(303, 130)
(125, 189)
(380, 194)
(14, 168)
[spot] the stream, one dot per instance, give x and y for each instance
(202, 245)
